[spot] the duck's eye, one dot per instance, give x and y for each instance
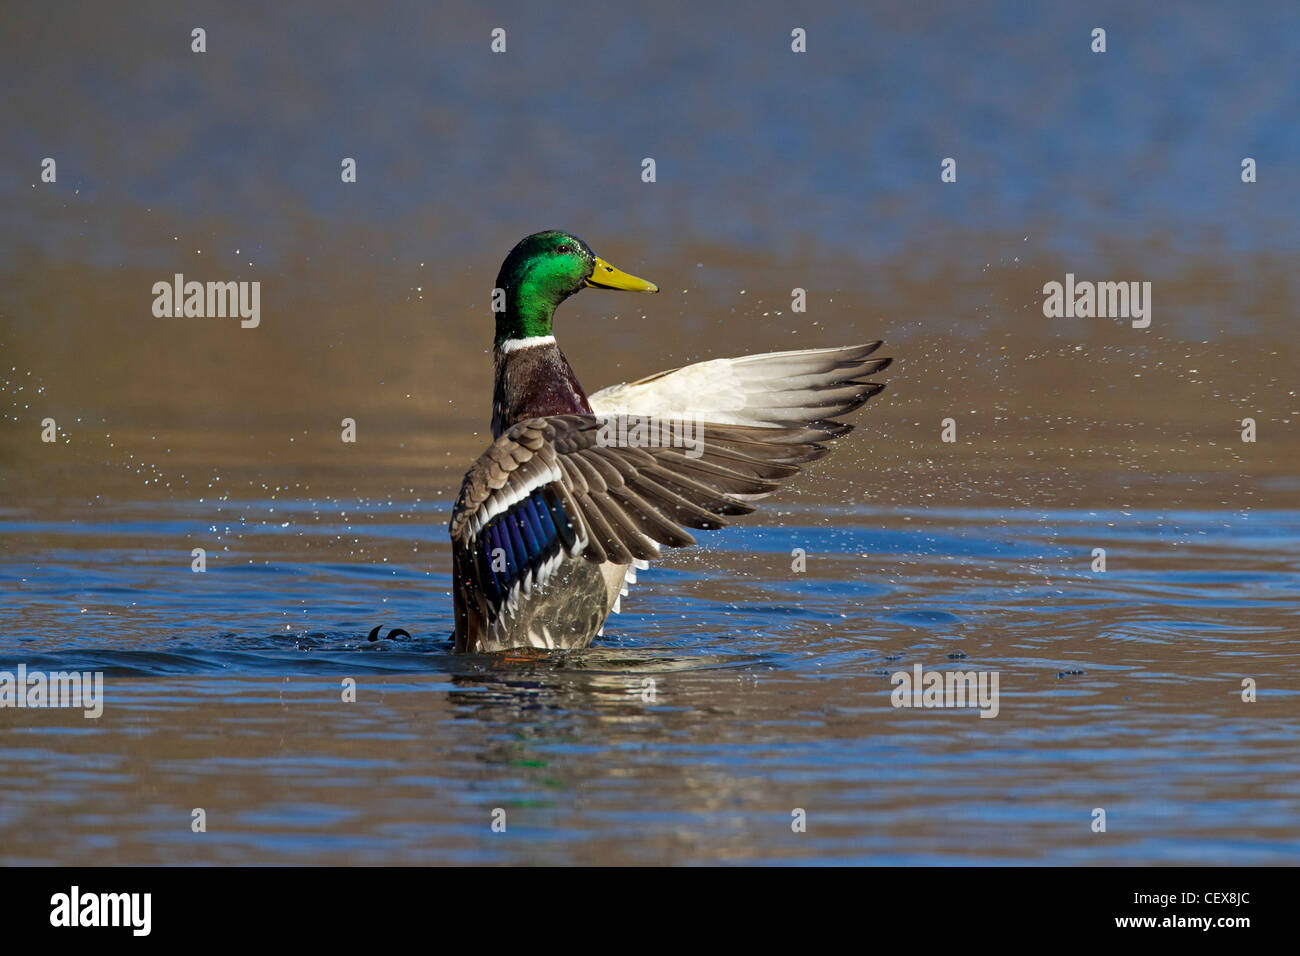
(563, 249)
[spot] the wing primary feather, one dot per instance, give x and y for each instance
(631, 541)
(678, 508)
(603, 532)
(700, 494)
(649, 521)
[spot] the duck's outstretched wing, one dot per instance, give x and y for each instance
(608, 489)
(775, 388)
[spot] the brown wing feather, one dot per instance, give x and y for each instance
(632, 498)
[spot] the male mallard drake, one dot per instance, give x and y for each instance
(578, 492)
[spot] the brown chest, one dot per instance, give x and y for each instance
(532, 382)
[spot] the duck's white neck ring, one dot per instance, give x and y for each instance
(532, 342)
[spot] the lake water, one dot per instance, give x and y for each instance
(1119, 690)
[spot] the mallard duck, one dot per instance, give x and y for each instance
(578, 492)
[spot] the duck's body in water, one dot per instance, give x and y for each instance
(577, 493)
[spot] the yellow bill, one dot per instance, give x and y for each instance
(606, 276)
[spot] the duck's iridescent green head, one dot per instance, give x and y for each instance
(542, 271)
